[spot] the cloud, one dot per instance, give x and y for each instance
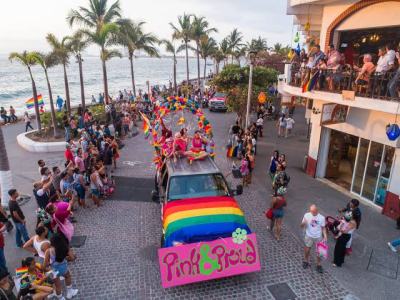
(266, 18)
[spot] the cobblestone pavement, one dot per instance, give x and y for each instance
(119, 259)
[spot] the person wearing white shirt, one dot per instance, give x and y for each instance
(386, 60)
(260, 124)
(314, 224)
(289, 126)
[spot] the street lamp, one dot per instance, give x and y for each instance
(251, 56)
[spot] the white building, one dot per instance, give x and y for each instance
(348, 141)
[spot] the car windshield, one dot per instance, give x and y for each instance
(219, 95)
(193, 186)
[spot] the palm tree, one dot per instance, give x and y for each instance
(5, 173)
(257, 45)
(218, 56)
(62, 50)
(234, 41)
(239, 53)
(132, 37)
(48, 61)
(208, 46)
(199, 31)
(104, 37)
(78, 44)
(224, 48)
(184, 32)
(170, 48)
(26, 59)
(98, 20)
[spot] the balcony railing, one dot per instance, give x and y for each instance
(335, 81)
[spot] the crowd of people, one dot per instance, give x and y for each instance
(381, 74)
(91, 155)
(8, 117)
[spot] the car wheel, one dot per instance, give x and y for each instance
(162, 241)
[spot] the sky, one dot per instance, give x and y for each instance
(25, 23)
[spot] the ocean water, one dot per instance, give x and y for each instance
(16, 88)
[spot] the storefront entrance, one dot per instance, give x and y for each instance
(359, 165)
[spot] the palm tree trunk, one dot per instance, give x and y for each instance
(105, 81)
(68, 99)
(132, 75)
(175, 85)
(5, 173)
(205, 67)
(36, 104)
(83, 101)
(53, 111)
(198, 64)
(187, 63)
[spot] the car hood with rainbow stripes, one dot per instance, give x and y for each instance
(201, 219)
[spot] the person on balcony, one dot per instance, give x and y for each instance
(365, 71)
(334, 61)
(315, 56)
(393, 83)
(385, 61)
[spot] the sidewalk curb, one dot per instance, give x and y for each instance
(38, 147)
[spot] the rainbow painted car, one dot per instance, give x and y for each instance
(199, 214)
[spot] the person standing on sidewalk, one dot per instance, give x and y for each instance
(281, 126)
(18, 217)
(346, 228)
(3, 263)
(273, 164)
(27, 121)
(289, 126)
(314, 223)
(260, 124)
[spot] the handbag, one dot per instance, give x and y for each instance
(322, 250)
(269, 214)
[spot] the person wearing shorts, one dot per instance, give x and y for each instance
(314, 224)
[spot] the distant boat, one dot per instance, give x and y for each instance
(210, 64)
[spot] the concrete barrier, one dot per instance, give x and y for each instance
(32, 146)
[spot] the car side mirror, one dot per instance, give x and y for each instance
(239, 189)
(155, 196)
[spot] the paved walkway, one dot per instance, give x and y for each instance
(119, 259)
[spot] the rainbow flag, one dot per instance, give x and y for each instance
(201, 219)
(308, 86)
(146, 125)
(31, 103)
(21, 271)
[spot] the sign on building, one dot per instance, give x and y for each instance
(333, 113)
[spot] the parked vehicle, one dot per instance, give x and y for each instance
(218, 102)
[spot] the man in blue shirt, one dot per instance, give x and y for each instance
(59, 103)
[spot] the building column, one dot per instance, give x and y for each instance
(313, 149)
(391, 208)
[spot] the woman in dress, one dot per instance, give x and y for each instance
(273, 164)
(245, 169)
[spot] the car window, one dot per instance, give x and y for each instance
(219, 95)
(193, 186)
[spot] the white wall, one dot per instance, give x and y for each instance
(377, 15)
(329, 14)
(394, 183)
(370, 125)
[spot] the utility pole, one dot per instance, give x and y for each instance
(250, 88)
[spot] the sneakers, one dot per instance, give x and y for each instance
(305, 265)
(391, 247)
(71, 292)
